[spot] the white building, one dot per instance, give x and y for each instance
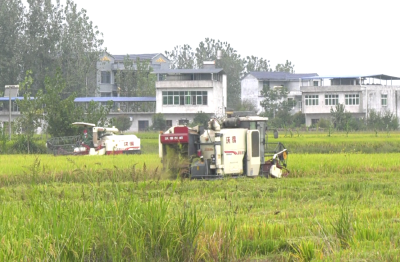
(252, 85)
(359, 94)
(182, 93)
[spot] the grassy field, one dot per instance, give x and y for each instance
(332, 207)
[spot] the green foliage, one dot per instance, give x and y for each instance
(304, 251)
(274, 100)
(287, 67)
(128, 214)
(96, 113)
(42, 36)
(343, 225)
(11, 24)
(136, 78)
(60, 112)
(201, 119)
(340, 117)
(182, 57)
(253, 63)
(299, 119)
(247, 105)
(324, 123)
(31, 110)
(122, 122)
(159, 122)
(231, 62)
(23, 144)
(382, 121)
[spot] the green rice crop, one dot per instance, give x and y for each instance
(332, 207)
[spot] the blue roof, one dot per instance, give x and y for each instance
(13, 98)
(116, 99)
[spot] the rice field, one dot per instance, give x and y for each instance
(333, 207)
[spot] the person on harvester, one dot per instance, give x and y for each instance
(87, 139)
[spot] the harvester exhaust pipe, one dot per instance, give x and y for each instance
(217, 144)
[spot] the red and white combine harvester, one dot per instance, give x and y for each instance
(96, 141)
(235, 146)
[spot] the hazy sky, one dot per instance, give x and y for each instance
(324, 37)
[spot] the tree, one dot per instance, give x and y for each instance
(201, 119)
(253, 63)
(182, 57)
(274, 99)
(125, 78)
(299, 119)
(42, 37)
(31, 110)
(230, 61)
(287, 67)
(159, 122)
(247, 105)
(386, 121)
(60, 112)
(96, 113)
(11, 25)
(340, 118)
(122, 122)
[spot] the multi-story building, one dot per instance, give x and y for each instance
(359, 94)
(109, 65)
(182, 93)
(254, 82)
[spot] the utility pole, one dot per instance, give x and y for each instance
(10, 87)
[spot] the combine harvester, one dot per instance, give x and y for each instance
(233, 146)
(101, 141)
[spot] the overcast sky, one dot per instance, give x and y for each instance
(324, 37)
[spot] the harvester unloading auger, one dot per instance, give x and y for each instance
(96, 141)
(233, 146)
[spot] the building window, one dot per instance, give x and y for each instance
(265, 84)
(315, 83)
(143, 125)
(105, 77)
(314, 121)
(168, 123)
(384, 99)
(352, 99)
(185, 98)
(331, 100)
(311, 100)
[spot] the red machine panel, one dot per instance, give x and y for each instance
(181, 135)
(174, 138)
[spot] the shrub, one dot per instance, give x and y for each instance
(122, 122)
(201, 119)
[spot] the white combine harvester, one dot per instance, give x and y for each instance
(100, 141)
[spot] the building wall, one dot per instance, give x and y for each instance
(250, 90)
(105, 64)
(370, 98)
(216, 95)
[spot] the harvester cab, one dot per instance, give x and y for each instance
(235, 146)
